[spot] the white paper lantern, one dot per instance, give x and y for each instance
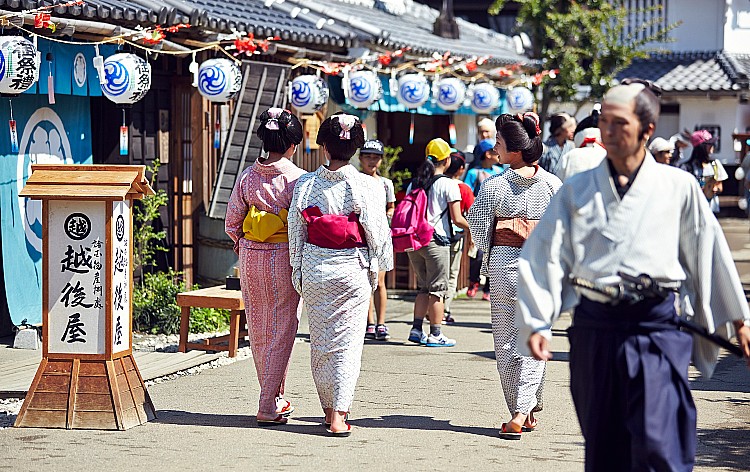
(413, 90)
(450, 94)
(485, 99)
(364, 88)
(520, 99)
(219, 80)
(127, 78)
(19, 69)
(308, 93)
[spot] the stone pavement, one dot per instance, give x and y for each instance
(415, 408)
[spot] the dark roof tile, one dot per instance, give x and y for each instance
(686, 71)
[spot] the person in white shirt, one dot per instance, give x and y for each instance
(431, 263)
(628, 360)
(589, 150)
(370, 158)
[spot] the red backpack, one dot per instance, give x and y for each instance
(410, 229)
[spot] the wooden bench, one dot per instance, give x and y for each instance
(213, 297)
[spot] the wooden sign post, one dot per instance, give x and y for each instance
(87, 378)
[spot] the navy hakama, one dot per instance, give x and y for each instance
(638, 415)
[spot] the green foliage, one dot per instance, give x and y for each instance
(390, 158)
(209, 320)
(146, 240)
(589, 41)
(155, 307)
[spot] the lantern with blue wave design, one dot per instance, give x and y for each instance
(127, 78)
(485, 99)
(364, 89)
(219, 80)
(308, 93)
(19, 65)
(520, 99)
(413, 90)
(450, 93)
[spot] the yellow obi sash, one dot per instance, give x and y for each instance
(265, 227)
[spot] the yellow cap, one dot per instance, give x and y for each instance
(438, 148)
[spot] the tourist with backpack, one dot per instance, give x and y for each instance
(433, 201)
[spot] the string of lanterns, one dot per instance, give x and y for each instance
(125, 77)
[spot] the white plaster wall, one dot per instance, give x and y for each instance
(702, 27)
(722, 112)
(737, 26)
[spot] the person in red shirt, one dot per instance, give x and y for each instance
(456, 171)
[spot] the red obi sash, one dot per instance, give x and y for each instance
(333, 231)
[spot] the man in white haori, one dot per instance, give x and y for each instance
(629, 362)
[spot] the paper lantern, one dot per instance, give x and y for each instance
(219, 80)
(413, 90)
(520, 99)
(127, 78)
(450, 94)
(364, 88)
(308, 93)
(485, 99)
(19, 69)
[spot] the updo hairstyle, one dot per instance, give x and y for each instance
(342, 135)
(522, 133)
(278, 130)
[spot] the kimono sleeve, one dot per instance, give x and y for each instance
(236, 212)
(481, 216)
(712, 283)
(297, 228)
(543, 267)
(374, 221)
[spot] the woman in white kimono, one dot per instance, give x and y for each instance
(339, 239)
(506, 210)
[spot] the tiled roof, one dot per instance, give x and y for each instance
(691, 72)
(224, 16)
(413, 28)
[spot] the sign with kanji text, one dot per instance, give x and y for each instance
(77, 279)
(121, 219)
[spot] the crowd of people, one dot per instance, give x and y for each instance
(558, 225)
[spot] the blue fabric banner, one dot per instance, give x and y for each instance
(47, 134)
(72, 67)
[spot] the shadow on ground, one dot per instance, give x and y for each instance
(313, 426)
(557, 356)
(731, 375)
(726, 448)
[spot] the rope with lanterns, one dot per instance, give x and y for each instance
(125, 77)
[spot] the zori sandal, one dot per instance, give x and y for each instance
(528, 426)
(276, 421)
(340, 434)
(507, 433)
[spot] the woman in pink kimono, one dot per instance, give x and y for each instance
(256, 221)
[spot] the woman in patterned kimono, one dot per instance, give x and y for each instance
(506, 210)
(339, 239)
(256, 221)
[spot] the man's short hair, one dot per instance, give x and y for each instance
(646, 102)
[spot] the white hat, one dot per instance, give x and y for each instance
(587, 134)
(660, 145)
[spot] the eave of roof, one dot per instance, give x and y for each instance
(693, 72)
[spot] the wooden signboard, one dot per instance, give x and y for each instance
(87, 378)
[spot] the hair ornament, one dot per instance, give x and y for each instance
(273, 122)
(346, 122)
(535, 117)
